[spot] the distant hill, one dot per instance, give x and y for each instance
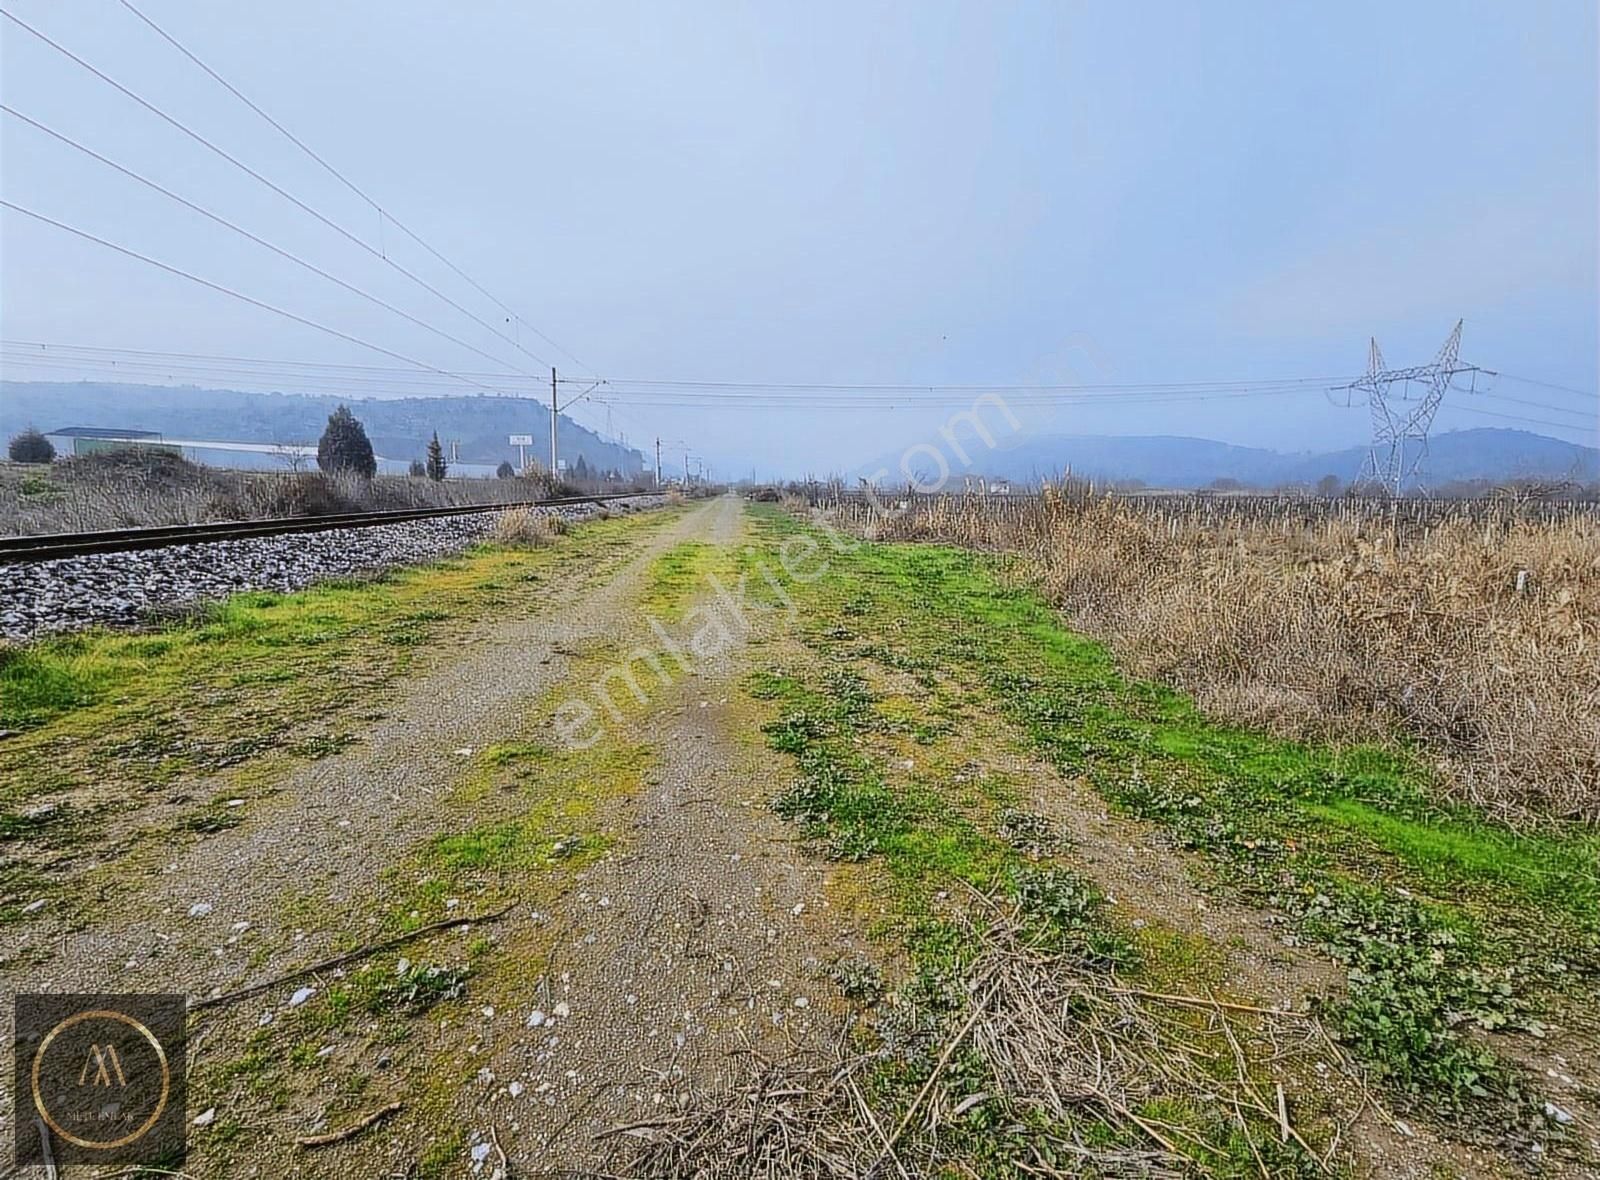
(1171, 461)
(399, 427)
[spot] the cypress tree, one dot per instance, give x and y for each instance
(344, 446)
(436, 464)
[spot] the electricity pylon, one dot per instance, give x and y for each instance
(1400, 424)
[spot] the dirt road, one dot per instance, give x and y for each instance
(696, 930)
(643, 820)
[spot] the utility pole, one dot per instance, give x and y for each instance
(685, 466)
(658, 462)
(553, 454)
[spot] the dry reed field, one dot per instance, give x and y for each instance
(1473, 631)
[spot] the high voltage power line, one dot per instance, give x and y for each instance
(370, 379)
(204, 282)
(38, 352)
(276, 188)
(383, 213)
(278, 250)
(647, 392)
(388, 373)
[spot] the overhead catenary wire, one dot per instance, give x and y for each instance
(752, 392)
(383, 214)
(50, 356)
(366, 379)
(386, 372)
(680, 391)
(968, 388)
(354, 239)
(173, 356)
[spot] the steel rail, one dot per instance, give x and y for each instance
(52, 546)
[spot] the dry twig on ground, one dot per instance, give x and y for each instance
(1064, 1049)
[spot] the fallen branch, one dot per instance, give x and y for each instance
(645, 1125)
(363, 952)
(352, 1130)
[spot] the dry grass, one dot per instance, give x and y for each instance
(129, 490)
(1477, 634)
(527, 528)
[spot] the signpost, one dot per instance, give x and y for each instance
(522, 442)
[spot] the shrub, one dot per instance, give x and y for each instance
(148, 467)
(309, 495)
(344, 446)
(527, 528)
(31, 446)
(505, 470)
(545, 485)
(417, 470)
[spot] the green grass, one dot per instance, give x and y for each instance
(1453, 849)
(679, 576)
(1428, 906)
(926, 842)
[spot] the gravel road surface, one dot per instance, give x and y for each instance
(700, 934)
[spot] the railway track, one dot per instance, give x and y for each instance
(49, 546)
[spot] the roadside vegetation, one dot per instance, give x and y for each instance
(517, 828)
(1425, 904)
(1474, 638)
(30, 446)
(137, 488)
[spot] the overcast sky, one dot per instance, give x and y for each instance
(852, 192)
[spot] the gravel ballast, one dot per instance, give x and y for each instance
(122, 589)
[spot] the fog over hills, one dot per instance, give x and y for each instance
(1180, 462)
(398, 427)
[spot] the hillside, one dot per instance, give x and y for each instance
(399, 427)
(1179, 462)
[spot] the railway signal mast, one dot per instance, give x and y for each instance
(1400, 423)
